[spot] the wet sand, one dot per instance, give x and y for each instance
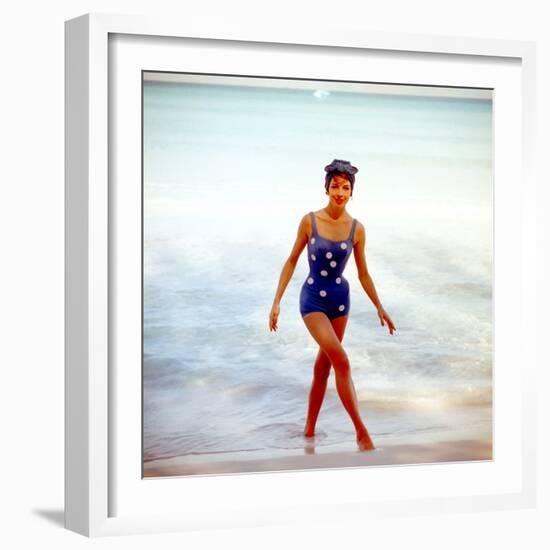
(311, 457)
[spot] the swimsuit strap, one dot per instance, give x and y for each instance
(313, 225)
(352, 232)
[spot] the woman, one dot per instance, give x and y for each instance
(330, 234)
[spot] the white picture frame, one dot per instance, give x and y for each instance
(99, 501)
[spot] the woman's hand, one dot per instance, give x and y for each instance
(384, 317)
(273, 316)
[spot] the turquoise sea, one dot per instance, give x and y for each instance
(228, 173)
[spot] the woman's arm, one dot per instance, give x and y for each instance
(365, 278)
(288, 270)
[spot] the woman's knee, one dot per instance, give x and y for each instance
(340, 361)
(322, 366)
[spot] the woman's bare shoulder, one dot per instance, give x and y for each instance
(306, 218)
(359, 232)
(305, 223)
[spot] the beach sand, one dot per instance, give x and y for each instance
(399, 452)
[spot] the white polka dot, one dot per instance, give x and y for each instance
(341, 308)
(313, 257)
(323, 293)
(324, 273)
(338, 280)
(343, 246)
(312, 240)
(333, 264)
(310, 281)
(329, 255)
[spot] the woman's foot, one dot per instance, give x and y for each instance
(309, 432)
(365, 443)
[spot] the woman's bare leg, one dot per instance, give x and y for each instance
(321, 373)
(324, 334)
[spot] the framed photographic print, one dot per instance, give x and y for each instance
(217, 184)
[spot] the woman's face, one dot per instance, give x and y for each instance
(339, 190)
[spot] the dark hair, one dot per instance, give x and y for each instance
(340, 167)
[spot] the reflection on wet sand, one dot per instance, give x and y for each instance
(315, 458)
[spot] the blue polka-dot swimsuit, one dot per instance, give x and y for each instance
(325, 288)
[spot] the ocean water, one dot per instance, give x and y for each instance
(228, 173)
